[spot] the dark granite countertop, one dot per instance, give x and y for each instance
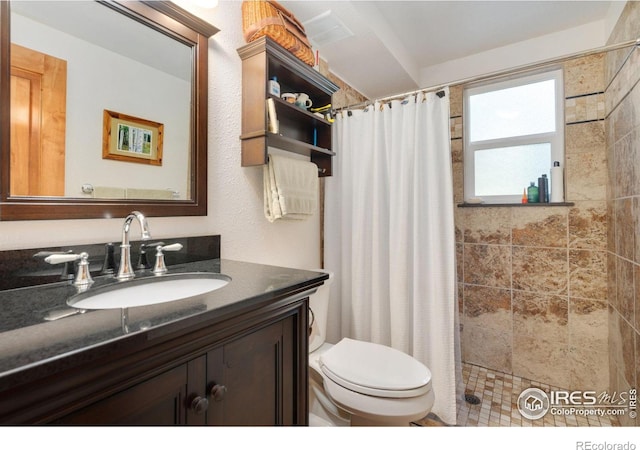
(28, 341)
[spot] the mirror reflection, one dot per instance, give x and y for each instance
(100, 105)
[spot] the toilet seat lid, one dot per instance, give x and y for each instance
(375, 369)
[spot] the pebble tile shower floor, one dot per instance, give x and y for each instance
(498, 394)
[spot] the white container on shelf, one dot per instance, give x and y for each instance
(557, 183)
(274, 87)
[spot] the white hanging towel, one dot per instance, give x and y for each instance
(290, 188)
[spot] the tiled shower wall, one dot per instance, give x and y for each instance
(622, 69)
(533, 280)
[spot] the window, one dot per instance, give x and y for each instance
(513, 131)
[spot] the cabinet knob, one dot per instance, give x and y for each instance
(217, 392)
(199, 405)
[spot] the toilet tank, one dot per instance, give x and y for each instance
(318, 306)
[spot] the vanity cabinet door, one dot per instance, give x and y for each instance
(251, 378)
(157, 401)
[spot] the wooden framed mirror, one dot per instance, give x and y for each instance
(145, 60)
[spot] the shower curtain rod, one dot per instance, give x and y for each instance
(500, 73)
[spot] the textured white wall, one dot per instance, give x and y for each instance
(237, 204)
(235, 193)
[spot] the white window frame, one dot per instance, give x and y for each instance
(555, 138)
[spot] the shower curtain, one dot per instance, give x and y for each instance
(389, 235)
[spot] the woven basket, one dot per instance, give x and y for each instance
(269, 18)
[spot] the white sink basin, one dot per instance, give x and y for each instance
(149, 291)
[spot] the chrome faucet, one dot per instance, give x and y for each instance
(125, 272)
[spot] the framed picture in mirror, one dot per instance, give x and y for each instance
(131, 139)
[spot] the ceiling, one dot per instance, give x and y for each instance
(382, 47)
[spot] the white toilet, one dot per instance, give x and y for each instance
(360, 383)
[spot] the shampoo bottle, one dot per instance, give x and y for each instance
(542, 189)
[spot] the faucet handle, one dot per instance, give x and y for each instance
(69, 270)
(170, 248)
(58, 258)
(43, 254)
(83, 275)
(143, 262)
(160, 267)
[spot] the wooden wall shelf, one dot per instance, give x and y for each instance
(299, 131)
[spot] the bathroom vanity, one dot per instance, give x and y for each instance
(234, 356)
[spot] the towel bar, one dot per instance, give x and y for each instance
(320, 170)
(87, 188)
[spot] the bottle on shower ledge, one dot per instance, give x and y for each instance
(532, 193)
(557, 183)
(542, 189)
